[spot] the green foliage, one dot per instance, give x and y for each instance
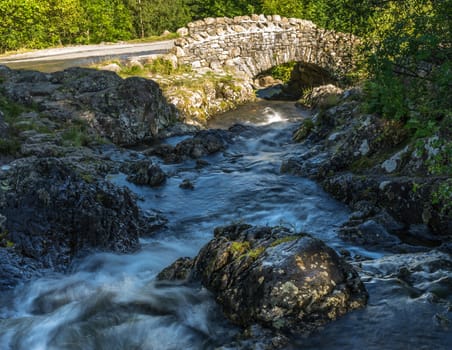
(443, 196)
(408, 54)
(43, 23)
(223, 8)
(386, 95)
(153, 17)
(289, 8)
(441, 162)
(23, 21)
(283, 71)
(105, 20)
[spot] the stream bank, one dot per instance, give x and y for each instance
(93, 297)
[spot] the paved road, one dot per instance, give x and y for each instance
(50, 60)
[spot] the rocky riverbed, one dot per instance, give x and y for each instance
(281, 258)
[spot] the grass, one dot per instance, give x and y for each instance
(156, 66)
(304, 130)
(9, 146)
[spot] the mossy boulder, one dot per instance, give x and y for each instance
(269, 276)
(126, 111)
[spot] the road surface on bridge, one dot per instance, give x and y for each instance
(50, 60)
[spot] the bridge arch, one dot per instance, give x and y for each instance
(256, 43)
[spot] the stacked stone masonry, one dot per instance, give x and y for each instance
(253, 44)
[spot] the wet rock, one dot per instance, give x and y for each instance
(146, 173)
(407, 199)
(178, 270)
(201, 163)
(186, 184)
(55, 212)
(202, 144)
(421, 273)
(15, 268)
(283, 281)
(178, 129)
(370, 234)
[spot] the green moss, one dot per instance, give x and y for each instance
(89, 178)
(240, 247)
(255, 253)
(4, 242)
(361, 164)
(304, 130)
(9, 146)
(285, 239)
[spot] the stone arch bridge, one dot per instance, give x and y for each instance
(254, 44)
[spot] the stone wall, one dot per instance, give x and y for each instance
(253, 44)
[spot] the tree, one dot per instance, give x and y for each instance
(408, 56)
(289, 8)
(224, 8)
(105, 20)
(23, 24)
(64, 18)
(152, 17)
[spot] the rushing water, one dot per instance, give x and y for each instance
(111, 301)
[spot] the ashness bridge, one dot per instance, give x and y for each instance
(256, 43)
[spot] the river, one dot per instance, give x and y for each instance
(110, 301)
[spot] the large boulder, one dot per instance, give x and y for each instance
(54, 212)
(269, 276)
(127, 111)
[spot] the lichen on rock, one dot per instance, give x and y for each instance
(269, 276)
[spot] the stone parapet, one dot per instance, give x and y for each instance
(253, 44)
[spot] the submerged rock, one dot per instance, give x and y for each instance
(269, 276)
(424, 273)
(186, 184)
